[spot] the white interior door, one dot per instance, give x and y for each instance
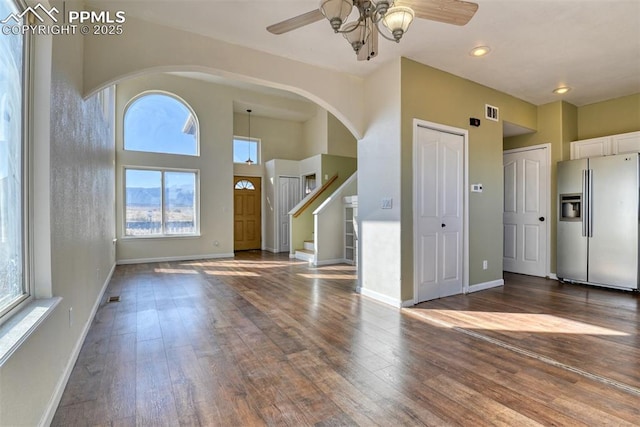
(438, 194)
(525, 218)
(289, 196)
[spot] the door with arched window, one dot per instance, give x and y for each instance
(247, 230)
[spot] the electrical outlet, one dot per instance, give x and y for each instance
(485, 264)
(70, 316)
(216, 243)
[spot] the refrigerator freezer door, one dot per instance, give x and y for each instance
(613, 247)
(571, 244)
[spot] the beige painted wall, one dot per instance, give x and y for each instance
(379, 177)
(611, 117)
(81, 181)
(170, 49)
(213, 105)
(433, 95)
(316, 133)
(279, 139)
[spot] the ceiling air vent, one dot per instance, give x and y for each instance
(491, 112)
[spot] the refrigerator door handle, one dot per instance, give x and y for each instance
(585, 198)
(590, 202)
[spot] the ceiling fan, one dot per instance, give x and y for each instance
(395, 17)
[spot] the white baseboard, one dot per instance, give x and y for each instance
(553, 276)
(272, 250)
(174, 258)
(408, 303)
(379, 297)
(330, 262)
(62, 382)
(486, 285)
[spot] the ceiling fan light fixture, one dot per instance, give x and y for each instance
(356, 33)
(397, 20)
(382, 7)
(336, 11)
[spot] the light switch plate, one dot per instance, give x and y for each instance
(476, 188)
(386, 203)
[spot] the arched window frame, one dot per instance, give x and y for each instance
(193, 118)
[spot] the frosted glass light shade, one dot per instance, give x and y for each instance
(336, 11)
(397, 20)
(356, 33)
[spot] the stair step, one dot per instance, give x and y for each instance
(305, 255)
(309, 245)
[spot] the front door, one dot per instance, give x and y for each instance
(247, 230)
(525, 218)
(439, 210)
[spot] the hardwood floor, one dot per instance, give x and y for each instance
(265, 340)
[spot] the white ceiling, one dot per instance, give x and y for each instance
(593, 46)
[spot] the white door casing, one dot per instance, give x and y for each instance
(526, 211)
(439, 211)
(288, 196)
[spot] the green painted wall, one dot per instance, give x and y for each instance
(433, 95)
(340, 141)
(619, 115)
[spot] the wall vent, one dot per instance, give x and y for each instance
(491, 112)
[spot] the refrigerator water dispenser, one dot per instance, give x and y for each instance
(571, 207)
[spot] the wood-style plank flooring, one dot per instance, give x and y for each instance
(265, 340)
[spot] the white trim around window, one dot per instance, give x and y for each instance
(149, 228)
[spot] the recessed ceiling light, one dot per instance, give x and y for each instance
(561, 90)
(480, 51)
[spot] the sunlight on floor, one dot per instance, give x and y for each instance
(231, 273)
(174, 271)
(328, 276)
(515, 322)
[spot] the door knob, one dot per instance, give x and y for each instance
(541, 219)
(443, 225)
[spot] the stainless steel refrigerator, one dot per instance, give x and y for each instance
(598, 221)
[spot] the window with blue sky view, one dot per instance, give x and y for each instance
(160, 123)
(245, 149)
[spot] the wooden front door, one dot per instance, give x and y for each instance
(247, 229)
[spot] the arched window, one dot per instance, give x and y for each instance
(160, 123)
(244, 184)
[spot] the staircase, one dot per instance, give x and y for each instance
(308, 252)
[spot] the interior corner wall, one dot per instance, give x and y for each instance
(82, 229)
(279, 139)
(619, 115)
(315, 134)
(340, 141)
(378, 178)
(439, 97)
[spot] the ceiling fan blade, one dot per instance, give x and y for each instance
(296, 22)
(456, 12)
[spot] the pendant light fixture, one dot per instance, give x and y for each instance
(249, 161)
